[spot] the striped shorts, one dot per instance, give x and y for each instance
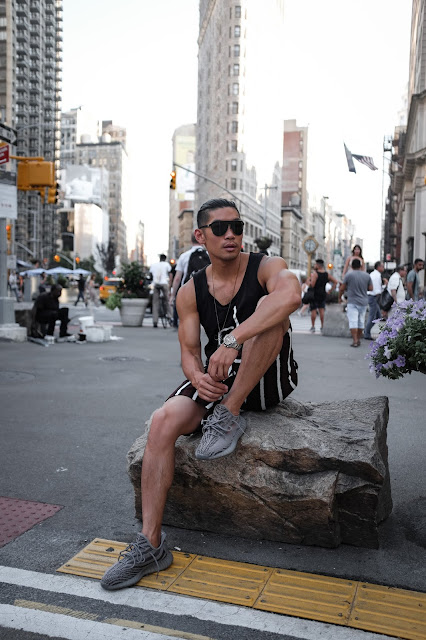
(275, 385)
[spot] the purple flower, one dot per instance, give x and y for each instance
(399, 361)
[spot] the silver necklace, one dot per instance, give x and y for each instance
(219, 330)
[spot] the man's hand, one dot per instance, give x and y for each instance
(220, 362)
(208, 388)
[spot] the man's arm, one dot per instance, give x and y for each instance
(410, 287)
(333, 279)
(283, 298)
(176, 282)
(190, 345)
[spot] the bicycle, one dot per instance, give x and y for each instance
(166, 320)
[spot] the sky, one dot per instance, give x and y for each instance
(345, 72)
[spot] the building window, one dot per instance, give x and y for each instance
(234, 126)
(237, 31)
(233, 165)
(236, 69)
(234, 108)
(237, 12)
(236, 50)
(233, 144)
(233, 183)
(235, 89)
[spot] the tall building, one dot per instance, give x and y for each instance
(113, 157)
(405, 216)
(77, 125)
(30, 96)
(181, 205)
(294, 196)
(240, 107)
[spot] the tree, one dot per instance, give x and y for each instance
(107, 255)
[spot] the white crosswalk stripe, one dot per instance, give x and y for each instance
(151, 600)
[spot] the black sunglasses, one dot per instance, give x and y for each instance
(220, 227)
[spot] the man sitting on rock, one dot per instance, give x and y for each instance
(243, 301)
(46, 311)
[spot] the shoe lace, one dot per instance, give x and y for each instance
(218, 423)
(136, 553)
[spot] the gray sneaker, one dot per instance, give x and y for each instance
(139, 559)
(221, 432)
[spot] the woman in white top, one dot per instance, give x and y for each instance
(356, 253)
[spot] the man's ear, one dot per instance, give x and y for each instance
(199, 236)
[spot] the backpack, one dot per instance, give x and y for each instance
(197, 260)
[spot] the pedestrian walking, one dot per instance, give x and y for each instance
(81, 289)
(356, 253)
(413, 280)
(243, 301)
(91, 291)
(43, 283)
(319, 279)
(356, 283)
(306, 283)
(161, 280)
(182, 267)
(374, 312)
(13, 284)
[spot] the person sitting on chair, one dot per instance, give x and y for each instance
(46, 311)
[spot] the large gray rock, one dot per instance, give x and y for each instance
(313, 474)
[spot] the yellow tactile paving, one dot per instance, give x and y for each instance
(94, 560)
(307, 595)
(390, 611)
(394, 612)
(222, 580)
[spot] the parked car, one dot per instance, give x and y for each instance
(108, 287)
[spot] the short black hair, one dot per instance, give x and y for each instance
(55, 287)
(163, 257)
(211, 205)
(377, 264)
(320, 261)
(356, 264)
(417, 260)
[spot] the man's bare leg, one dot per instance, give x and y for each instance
(258, 355)
(321, 313)
(178, 416)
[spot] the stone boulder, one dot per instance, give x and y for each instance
(336, 322)
(314, 474)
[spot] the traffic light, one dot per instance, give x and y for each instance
(330, 265)
(33, 174)
(53, 194)
(9, 232)
(173, 180)
(56, 258)
(77, 259)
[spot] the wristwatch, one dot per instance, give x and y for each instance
(231, 342)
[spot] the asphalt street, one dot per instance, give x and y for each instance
(70, 412)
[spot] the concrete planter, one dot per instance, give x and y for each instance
(133, 311)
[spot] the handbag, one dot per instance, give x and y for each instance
(385, 300)
(308, 296)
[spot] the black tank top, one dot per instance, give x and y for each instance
(320, 285)
(243, 304)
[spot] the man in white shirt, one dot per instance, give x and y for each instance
(396, 285)
(182, 266)
(160, 277)
(373, 298)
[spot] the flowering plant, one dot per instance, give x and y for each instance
(401, 345)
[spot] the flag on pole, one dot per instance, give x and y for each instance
(351, 165)
(367, 160)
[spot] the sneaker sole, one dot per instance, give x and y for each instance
(164, 563)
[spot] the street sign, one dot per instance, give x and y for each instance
(8, 134)
(11, 261)
(4, 153)
(8, 195)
